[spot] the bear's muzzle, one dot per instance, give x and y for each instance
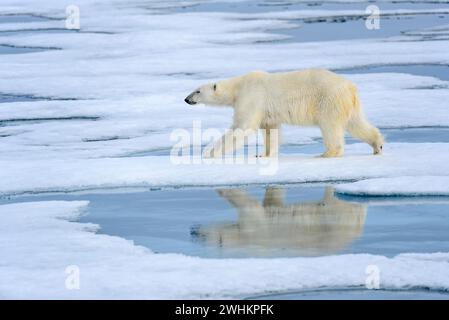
(189, 99)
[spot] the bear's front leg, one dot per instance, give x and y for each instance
(246, 122)
(232, 141)
(217, 150)
(333, 139)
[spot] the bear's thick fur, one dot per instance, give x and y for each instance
(310, 97)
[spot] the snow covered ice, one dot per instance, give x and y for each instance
(399, 186)
(49, 175)
(94, 108)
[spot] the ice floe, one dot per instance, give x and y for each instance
(399, 159)
(398, 186)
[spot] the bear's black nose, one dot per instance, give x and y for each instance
(187, 100)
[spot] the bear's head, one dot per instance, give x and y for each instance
(218, 93)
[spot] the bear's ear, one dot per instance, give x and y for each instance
(215, 87)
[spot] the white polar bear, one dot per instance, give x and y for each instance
(264, 100)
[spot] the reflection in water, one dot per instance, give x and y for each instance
(306, 228)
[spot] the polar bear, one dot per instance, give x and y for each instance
(263, 100)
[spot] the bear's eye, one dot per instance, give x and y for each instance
(215, 87)
(197, 91)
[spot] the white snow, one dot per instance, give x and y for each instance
(39, 240)
(400, 159)
(398, 186)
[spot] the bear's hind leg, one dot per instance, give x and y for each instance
(271, 137)
(333, 139)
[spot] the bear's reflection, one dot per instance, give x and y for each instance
(307, 228)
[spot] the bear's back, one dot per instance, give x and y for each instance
(310, 78)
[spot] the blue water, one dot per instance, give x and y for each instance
(412, 135)
(258, 221)
(345, 29)
(356, 294)
(22, 18)
(415, 135)
(260, 6)
(8, 49)
(4, 98)
(338, 28)
(432, 70)
(8, 97)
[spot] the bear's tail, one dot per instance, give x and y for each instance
(360, 128)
